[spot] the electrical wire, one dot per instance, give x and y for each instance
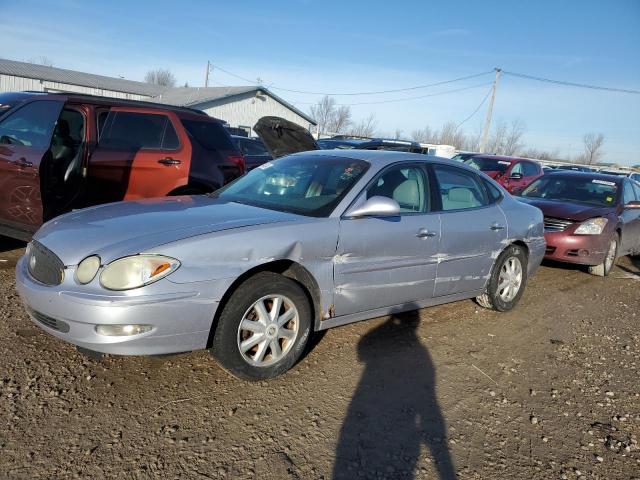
(476, 110)
(378, 92)
(571, 84)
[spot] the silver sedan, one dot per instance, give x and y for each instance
(304, 243)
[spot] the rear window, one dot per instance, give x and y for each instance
(592, 191)
(253, 147)
(209, 135)
(488, 164)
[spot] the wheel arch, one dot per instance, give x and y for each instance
(285, 267)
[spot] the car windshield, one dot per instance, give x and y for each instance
(488, 164)
(303, 184)
(592, 191)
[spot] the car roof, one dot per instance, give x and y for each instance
(110, 101)
(504, 158)
(380, 158)
(588, 175)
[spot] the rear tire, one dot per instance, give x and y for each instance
(604, 269)
(263, 328)
(508, 280)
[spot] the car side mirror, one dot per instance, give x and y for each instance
(633, 205)
(375, 207)
(516, 176)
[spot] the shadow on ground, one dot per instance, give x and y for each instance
(7, 244)
(394, 410)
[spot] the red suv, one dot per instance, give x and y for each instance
(513, 173)
(60, 152)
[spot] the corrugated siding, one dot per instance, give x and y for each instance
(246, 110)
(9, 83)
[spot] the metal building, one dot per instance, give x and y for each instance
(239, 106)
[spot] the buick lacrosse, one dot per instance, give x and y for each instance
(304, 243)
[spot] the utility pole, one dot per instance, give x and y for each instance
(206, 76)
(487, 122)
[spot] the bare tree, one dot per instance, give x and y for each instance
(397, 134)
(160, 76)
(365, 127)
(41, 60)
(592, 147)
(331, 119)
(425, 135)
(512, 140)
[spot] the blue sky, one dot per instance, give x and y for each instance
(364, 46)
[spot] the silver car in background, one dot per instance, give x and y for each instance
(304, 243)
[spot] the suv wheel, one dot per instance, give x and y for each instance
(508, 280)
(263, 328)
(606, 266)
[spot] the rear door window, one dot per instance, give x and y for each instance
(459, 189)
(134, 130)
(254, 148)
(209, 135)
(31, 125)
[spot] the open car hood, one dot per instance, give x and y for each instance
(282, 137)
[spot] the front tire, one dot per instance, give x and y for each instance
(263, 328)
(604, 269)
(508, 280)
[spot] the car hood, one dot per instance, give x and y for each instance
(570, 211)
(126, 228)
(282, 137)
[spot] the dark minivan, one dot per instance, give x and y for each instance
(59, 152)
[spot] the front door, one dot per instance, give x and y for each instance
(382, 262)
(474, 229)
(25, 137)
(631, 220)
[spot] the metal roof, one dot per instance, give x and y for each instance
(196, 96)
(71, 77)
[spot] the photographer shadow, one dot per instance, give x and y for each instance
(394, 410)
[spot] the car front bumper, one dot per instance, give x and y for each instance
(181, 319)
(580, 249)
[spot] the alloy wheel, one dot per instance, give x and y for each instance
(510, 279)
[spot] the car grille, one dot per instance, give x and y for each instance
(44, 266)
(47, 321)
(556, 224)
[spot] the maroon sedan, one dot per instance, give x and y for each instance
(589, 218)
(513, 173)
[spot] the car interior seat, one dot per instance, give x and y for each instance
(459, 197)
(407, 194)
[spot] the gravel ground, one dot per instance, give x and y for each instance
(549, 390)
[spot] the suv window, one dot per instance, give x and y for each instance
(459, 189)
(31, 125)
(132, 130)
(407, 185)
(210, 135)
(253, 147)
(529, 169)
(628, 193)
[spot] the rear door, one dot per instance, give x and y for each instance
(473, 231)
(25, 137)
(140, 154)
(631, 219)
(388, 261)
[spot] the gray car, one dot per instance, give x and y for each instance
(304, 243)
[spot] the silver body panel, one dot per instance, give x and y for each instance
(362, 267)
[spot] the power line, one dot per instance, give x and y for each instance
(476, 110)
(404, 99)
(395, 90)
(571, 84)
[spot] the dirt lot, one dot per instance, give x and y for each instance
(550, 390)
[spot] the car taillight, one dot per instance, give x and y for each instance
(237, 160)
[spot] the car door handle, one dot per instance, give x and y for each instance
(496, 227)
(23, 162)
(424, 233)
(169, 161)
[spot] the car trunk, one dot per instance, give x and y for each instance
(282, 137)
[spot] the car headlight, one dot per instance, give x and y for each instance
(136, 271)
(593, 226)
(87, 269)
